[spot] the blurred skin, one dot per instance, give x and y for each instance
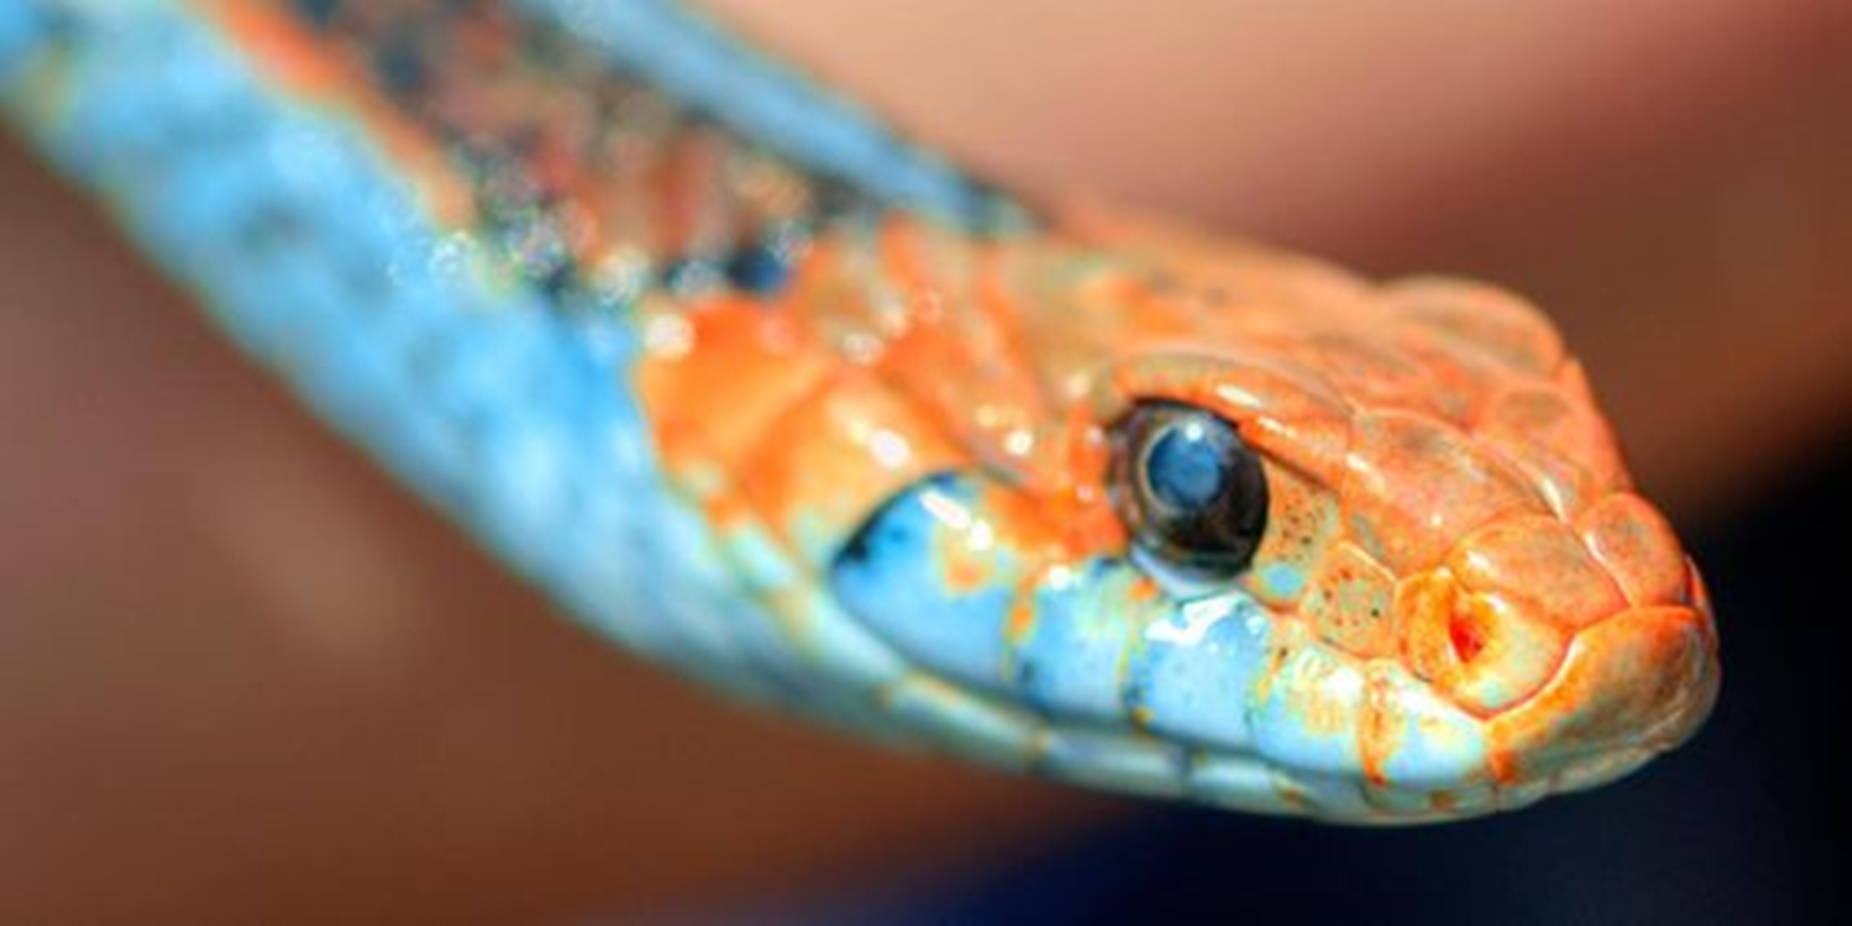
(242, 673)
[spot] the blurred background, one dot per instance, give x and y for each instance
(244, 676)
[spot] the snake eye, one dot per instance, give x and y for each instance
(1190, 491)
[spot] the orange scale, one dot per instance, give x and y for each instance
(1152, 324)
(1308, 289)
(1068, 484)
(1313, 446)
(1165, 375)
(1234, 383)
(1412, 486)
(1350, 602)
(1462, 380)
(1541, 559)
(729, 371)
(1565, 486)
(1369, 373)
(1303, 521)
(1491, 321)
(834, 457)
(1529, 409)
(835, 303)
(1422, 608)
(983, 405)
(1633, 541)
(1546, 416)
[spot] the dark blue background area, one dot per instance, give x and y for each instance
(1734, 827)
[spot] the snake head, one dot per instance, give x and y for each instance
(1462, 603)
(1170, 516)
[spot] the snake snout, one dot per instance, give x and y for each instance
(1638, 670)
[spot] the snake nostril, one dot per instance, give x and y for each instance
(1466, 635)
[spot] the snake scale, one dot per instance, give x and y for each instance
(756, 387)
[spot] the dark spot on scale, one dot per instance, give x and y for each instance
(1276, 657)
(1025, 674)
(879, 530)
(875, 534)
(758, 269)
(318, 12)
(860, 547)
(399, 65)
(559, 279)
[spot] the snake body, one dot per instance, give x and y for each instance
(759, 389)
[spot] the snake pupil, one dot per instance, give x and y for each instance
(1191, 491)
(1186, 466)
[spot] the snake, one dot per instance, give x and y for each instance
(757, 387)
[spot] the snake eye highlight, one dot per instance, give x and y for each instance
(1189, 490)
